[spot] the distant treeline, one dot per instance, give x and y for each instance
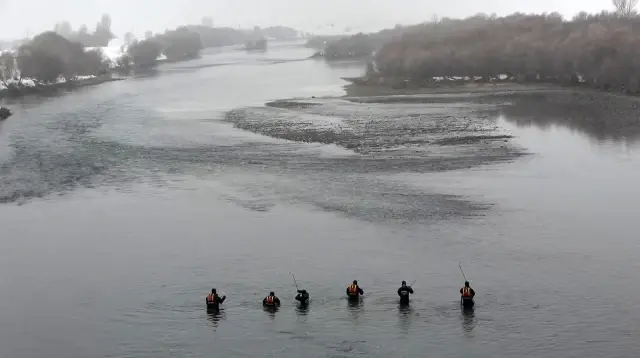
(210, 36)
(225, 36)
(46, 59)
(358, 46)
(49, 57)
(177, 45)
(62, 54)
(186, 42)
(361, 45)
(600, 50)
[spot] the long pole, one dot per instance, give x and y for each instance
(294, 281)
(465, 277)
(414, 281)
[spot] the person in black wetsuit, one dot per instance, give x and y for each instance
(404, 291)
(213, 300)
(271, 300)
(302, 297)
(354, 291)
(466, 295)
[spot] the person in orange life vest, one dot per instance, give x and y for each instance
(353, 290)
(271, 300)
(467, 293)
(213, 300)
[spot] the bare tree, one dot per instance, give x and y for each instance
(625, 7)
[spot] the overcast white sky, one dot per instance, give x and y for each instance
(18, 17)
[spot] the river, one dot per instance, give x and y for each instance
(124, 203)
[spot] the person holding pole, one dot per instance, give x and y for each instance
(303, 295)
(404, 291)
(466, 293)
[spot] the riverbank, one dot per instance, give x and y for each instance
(364, 86)
(36, 88)
(358, 89)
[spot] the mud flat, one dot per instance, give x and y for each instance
(389, 133)
(438, 128)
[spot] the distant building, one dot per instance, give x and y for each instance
(207, 21)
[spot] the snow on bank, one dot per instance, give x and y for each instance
(28, 82)
(115, 50)
(112, 52)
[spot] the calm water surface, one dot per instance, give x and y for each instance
(124, 203)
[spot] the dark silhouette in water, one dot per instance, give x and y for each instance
(303, 297)
(468, 320)
(215, 316)
(271, 300)
(4, 113)
(405, 317)
(466, 296)
(468, 305)
(355, 307)
(213, 301)
(302, 310)
(404, 291)
(271, 310)
(270, 304)
(354, 291)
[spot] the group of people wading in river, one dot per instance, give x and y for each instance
(213, 300)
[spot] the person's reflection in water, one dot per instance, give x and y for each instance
(468, 321)
(355, 307)
(215, 316)
(405, 317)
(302, 309)
(271, 311)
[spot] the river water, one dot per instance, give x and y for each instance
(124, 203)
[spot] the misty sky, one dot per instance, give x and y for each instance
(18, 17)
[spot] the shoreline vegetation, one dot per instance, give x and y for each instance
(487, 52)
(65, 58)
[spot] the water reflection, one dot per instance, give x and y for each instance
(215, 316)
(271, 311)
(468, 316)
(355, 306)
(617, 122)
(405, 317)
(302, 309)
